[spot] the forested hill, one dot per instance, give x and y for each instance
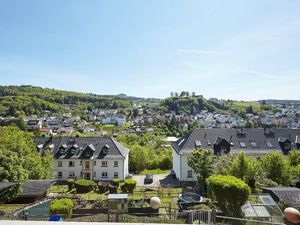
(16, 100)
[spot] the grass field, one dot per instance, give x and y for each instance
(10, 208)
(155, 171)
(243, 105)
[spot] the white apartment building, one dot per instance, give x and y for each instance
(95, 158)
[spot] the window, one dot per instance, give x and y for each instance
(59, 164)
(208, 142)
(62, 151)
(269, 144)
(223, 148)
(104, 164)
(189, 174)
(104, 174)
(59, 174)
(116, 175)
(116, 163)
(73, 150)
(87, 165)
(287, 146)
(243, 144)
(95, 174)
(198, 143)
(71, 174)
(253, 144)
(71, 164)
(95, 163)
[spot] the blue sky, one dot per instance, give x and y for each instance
(245, 50)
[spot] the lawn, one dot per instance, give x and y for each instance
(241, 104)
(10, 208)
(155, 171)
(58, 188)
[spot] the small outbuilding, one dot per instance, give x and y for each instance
(118, 203)
(33, 190)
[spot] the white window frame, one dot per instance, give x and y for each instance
(104, 164)
(71, 174)
(58, 174)
(116, 163)
(116, 174)
(71, 163)
(59, 164)
(103, 174)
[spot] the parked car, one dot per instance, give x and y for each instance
(148, 179)
(173, 174)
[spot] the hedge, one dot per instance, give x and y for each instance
(115, 182)
(128, 186)
(84, 186)
(62, 207)
(230, 192)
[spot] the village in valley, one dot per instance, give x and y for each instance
(147, 160)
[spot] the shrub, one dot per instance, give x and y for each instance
(128, 186)
(230, 192)
(115, 182)
(62, 206)
(113, 189)
(70, 183)
(84, 186)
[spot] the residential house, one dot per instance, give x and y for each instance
(34, 124)
(96, 158)
(254, 142)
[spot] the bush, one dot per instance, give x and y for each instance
(113, 189)
(70, 183)
(84, 186)
(62, 207)
(115, 182)
(230, 192)
(128, 186)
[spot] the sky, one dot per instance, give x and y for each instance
(233, 49)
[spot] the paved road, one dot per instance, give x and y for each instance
(164, 180)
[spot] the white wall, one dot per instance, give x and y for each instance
(122, 168)
(176, 164)
(185, 168)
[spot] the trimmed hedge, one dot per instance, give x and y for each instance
(115, 182)
(230, 192)
(84, 186)
(128, 186)
(62, 207)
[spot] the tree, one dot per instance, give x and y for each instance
(230, 192)
(202, 162)
(275, 167)
(294, 158)
(223, 164)
(19, 159)
(245, 168)
(172, 94)
(193, 94)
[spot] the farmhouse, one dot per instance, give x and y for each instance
(95, 158)
(254, 142)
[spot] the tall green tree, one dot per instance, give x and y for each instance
(294, 157)
(245, 168)
(19, 159)
(275, 167)
(202, 162)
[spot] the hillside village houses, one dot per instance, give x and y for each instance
(254, 142)
(97, 158)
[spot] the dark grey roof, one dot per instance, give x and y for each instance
(75, 147)
(255, 139)
(6, 185)
(289, 195)
(35, 187)
(283, 139)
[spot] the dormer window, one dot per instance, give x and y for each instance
(253, 144)
(73, 151)
(243, 144)
(62, 151)
(287, 146)
(223, 148)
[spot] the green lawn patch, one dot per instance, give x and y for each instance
(155, 171)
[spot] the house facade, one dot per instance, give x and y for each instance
(254, 142)
(93, 158)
